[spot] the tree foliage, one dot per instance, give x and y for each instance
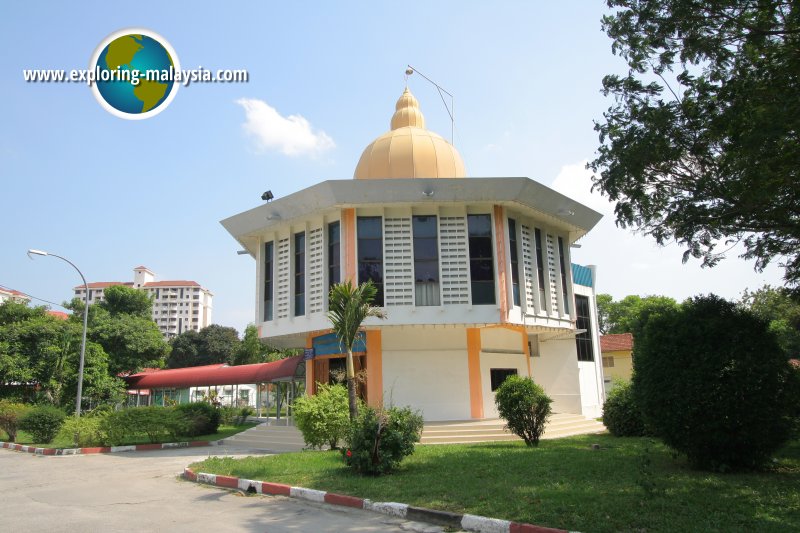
(701, 143)
(212, 344)
(132, 342)
(781, 310)
(253, 350)
(348, 307)
(524, 406)
(120, 299)
(630, 314)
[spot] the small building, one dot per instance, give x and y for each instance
(617, 350)
(474, 275)
(14, 296)
(178, 305)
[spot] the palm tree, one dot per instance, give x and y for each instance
(348, 306)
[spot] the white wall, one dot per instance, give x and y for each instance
(556, 370)
(427, 370)
(497, 360)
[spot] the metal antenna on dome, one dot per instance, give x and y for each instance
(451, 110)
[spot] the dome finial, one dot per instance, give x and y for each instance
(407, 112)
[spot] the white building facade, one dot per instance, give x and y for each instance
(474, 275)
(178, 305)
(14, 296)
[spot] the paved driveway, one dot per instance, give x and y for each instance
(140, 491)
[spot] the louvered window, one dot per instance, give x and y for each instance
(315, 270)
(283, 279)
(398, 283)
(454, 260)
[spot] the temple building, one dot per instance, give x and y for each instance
(474, 275)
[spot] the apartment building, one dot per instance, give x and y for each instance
(178, 305)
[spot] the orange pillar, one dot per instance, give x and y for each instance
(500, 235)
(349, 234)
(374, 369)
(309, 368)
(474, 366)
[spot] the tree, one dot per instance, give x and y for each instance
(712, 382)
(212, 344)
(184, 349)
(781, 311)
(132, 342)
(218, 344)
(120, 299)
(348, 307)
(604, 304)
(630, 314)
(701, 144)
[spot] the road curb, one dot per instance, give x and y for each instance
(108, 449)
(466, 522)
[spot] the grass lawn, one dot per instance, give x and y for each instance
(62, 441)
(629, 484)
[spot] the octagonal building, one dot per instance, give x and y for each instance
(474, 275)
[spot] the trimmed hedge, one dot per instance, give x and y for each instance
(157, 424)
(43, 423)
(200, 418)
(621, 415)
(524, 406)
(323, 418)
(713, 383)
(10, 415)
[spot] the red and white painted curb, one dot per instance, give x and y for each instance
(108, 449)
(466, 522)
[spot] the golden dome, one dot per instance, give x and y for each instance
(409, 150)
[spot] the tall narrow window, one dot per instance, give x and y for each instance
(299, 274)
(426, 261)
(583, 340)
(370, 253)
(269, 274)
(564, 279)
(334, 256)
(512, 244)
(540, 269)
(481, 260)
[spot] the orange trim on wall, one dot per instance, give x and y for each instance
(374, 368)
(500, 235)
(349, 234)
(474, 367)
(310, 368)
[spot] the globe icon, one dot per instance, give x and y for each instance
(134, 74)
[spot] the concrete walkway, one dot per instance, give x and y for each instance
(140, 491)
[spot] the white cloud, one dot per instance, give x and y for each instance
(292, 135)
(575, 181)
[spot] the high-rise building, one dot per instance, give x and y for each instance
(178, 305)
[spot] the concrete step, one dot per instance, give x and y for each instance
(560, 425)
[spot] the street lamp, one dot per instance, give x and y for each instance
(85, 323)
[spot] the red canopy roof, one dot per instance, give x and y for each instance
(219, 374)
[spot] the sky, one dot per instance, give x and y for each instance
(112, 194)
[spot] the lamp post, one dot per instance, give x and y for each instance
(85, 324)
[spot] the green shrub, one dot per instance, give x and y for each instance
(713, 383)
(43, 423)
(621, 415)
(380, 439)
(324, 417)
(524, 406)
(200, 418)
(157, 424)
(84, 431)
(242, 413)
(10, 416)
(227, 415)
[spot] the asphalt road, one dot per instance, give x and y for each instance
(140, 491)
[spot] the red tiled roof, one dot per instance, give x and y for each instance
(105, 284)
(140, 267)
(13, 292)
(616, 342)
(201, 376)
(58, 314)
(176, 283)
